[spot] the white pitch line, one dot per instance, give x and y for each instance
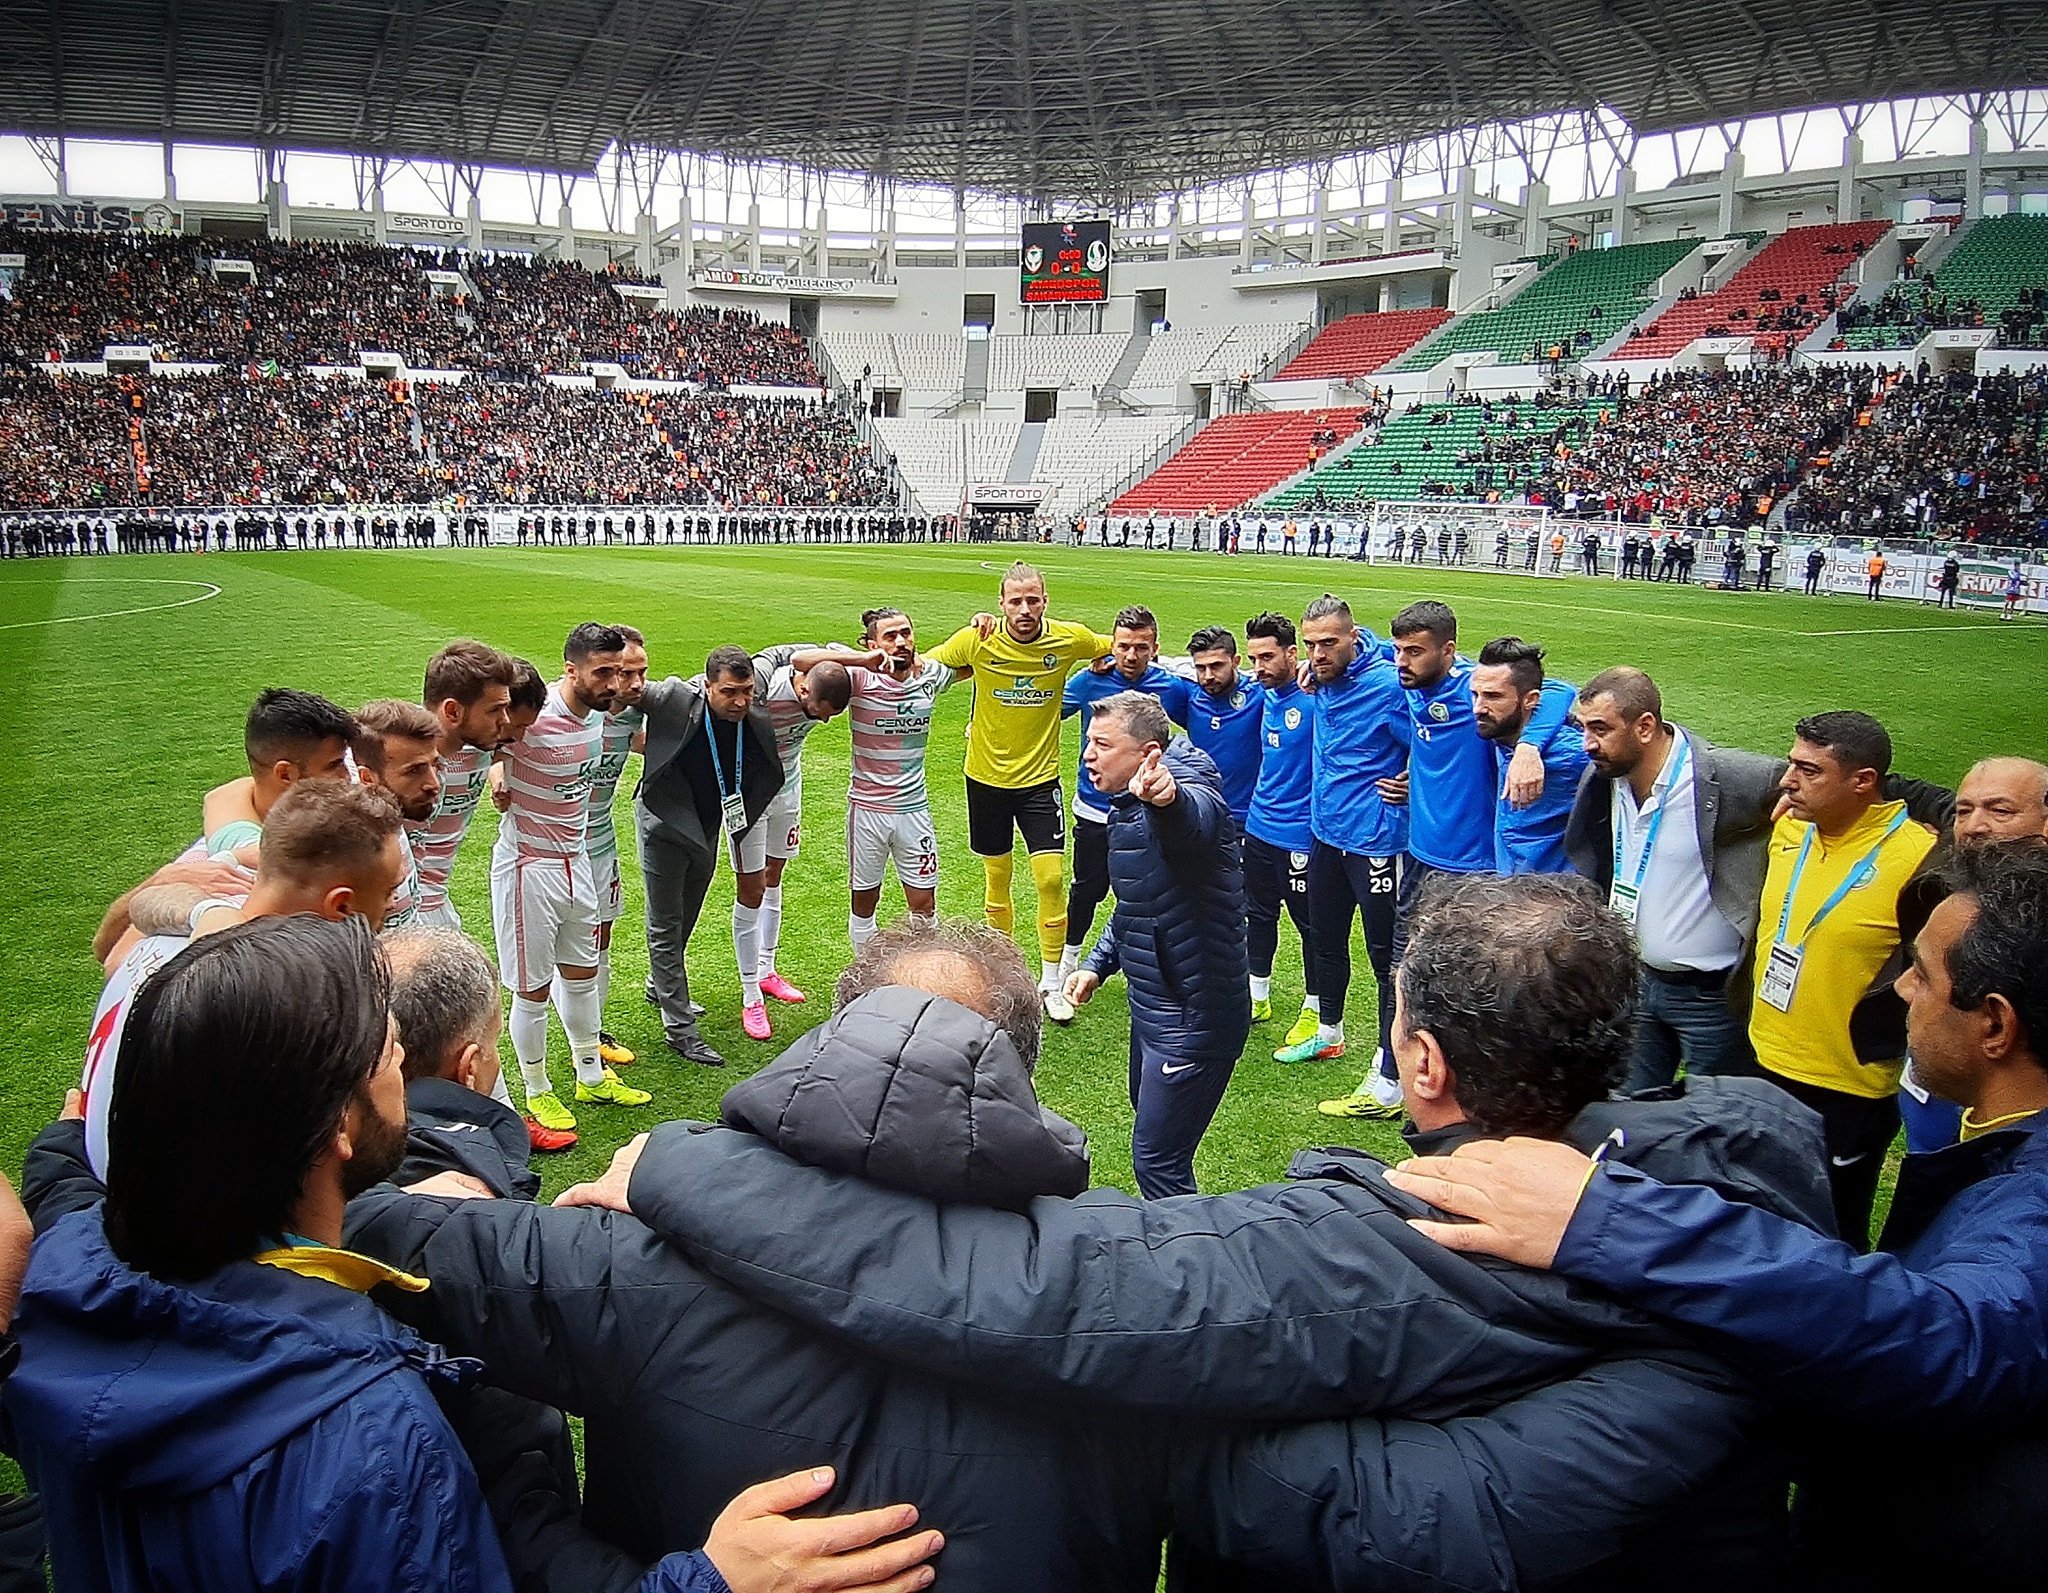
(118, 613)
(1916, 630)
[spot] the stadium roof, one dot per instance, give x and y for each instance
(1061, 99)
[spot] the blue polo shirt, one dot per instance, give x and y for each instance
(1362, 733)
(1279, 813)
(1228, 729)
(1531, 840)
(1085, 689)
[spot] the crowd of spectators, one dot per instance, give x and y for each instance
(1910, 309)
(228, 439)
(1950, 455)
(324, 303)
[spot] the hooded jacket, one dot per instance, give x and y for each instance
(1178, 931)
(692, 1391)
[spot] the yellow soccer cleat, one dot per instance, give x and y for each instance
(610, 1050)
(1304, 1028)
(547, 1110)
(609, 1091)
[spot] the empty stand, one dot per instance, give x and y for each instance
(1358, 345)
(1579, 303)
(1171, 358)
(1236, 457)
(1083, 455)
(1786, 287)
(938, 457)
(1058, 360)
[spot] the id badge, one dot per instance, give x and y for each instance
(1623, 899)
(735, 809)
(1781, 976)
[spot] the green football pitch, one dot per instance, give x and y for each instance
(127, 679)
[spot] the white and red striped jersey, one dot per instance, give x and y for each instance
(892, 720)
(790, 723)
(103, 1041)
(616, 746)
(464, 775)
(547, 778)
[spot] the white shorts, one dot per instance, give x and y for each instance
(605, 876)
(874, 835)
(545, 914)
(443, 917)
(775, 833)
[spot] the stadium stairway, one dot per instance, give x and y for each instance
(1420, 450)
(1024, 457)
(1592, 292)
(1358, 345)
(1795, 265)
(1233, 459)
(1995, 258)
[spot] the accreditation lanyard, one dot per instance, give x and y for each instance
(1781, 965)
(1624, 899)
(733, 807)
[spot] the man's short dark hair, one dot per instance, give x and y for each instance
(1632, 692)
(1428, 615)
(1856, 740)
(871, 617)
(722, 663)
(1213, 639)
(326, 829)
(1328, 606)
(529, 688)
(462, 671)
(1137, 617)
(286, 726)
(1524, 660)
(237, 1062)
(632, 635)
(915, 953)
(1274, 627)
(830, 686)
(1528, 984)
(2005, 949)
(591, 637)
(444, 994)
(388, 718)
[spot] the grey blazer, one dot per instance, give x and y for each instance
(675, 719)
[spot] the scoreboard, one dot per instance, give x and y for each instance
(1065, 262)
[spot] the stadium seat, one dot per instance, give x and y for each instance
(1358, 345)
(1781, 287)
(1234, 458)
(1992, 264)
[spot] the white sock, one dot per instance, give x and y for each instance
(746, 950)
(1385, 1090)
(1070, 961)
(1262, 987)
(859, 930)
(1330, 1033)
(604, 982)
(501, 1092)
(529, 1028)
(1312, 1004)
(576, 1001)
(1051, 975)
(771, 928)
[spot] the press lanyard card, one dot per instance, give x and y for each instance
(1781, 975)
(1623, 899)
(735, 807)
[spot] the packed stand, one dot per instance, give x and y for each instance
(63, 444)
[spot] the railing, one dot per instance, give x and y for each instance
(1095, 497)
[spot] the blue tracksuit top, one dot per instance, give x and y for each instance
(1361, 738)
(1453, 779)
(1228, 729)
(1279, 813)
(1531, 840)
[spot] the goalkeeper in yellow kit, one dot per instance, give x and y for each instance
(1013, 756)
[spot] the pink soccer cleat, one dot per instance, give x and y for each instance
(754, 1019)
(780, 988)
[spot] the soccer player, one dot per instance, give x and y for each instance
(397, 749)
(623, 734)
(1277, 837)
(543, 904)
(1223, 715)
(469, 690)
(1508, 691)
(2015, 592)
(1134, 651)
(889, 813)
(1454, 781)
(1020, 670)
(1357, 818)
(800, 688)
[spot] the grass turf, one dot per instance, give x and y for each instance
(120, 714)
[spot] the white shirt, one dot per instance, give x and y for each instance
(1677, 925)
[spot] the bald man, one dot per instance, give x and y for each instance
(2002, 799)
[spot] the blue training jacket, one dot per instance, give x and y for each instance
(1085, 689)
(1531, 840)
(1228, 729)
(1279, 813)
(1361, 738)
(1453, 775)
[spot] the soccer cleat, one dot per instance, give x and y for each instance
(1262, 1009)
(1057, 1006)
(780, 988)
(610, 1050)
(547, 1109)
(610, 1092)
(1304, 1028)
(548, 1139)
(1309, 1050)
(1361, 1106)
(754, 1019)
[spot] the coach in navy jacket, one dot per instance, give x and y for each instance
(1177, 934)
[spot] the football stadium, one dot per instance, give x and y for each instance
(1024, 798)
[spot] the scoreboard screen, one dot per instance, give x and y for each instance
(1065, 262)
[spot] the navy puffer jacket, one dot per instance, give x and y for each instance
(1178, 931)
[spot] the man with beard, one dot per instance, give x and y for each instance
(397, 749)
(1508, 691)
(469, 690)
(624, 734)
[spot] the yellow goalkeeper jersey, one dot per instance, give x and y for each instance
(1018, 688)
